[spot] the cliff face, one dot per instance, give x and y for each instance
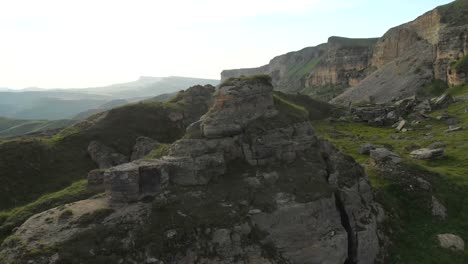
(341, 62)
(396, 65)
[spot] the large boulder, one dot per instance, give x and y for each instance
(382, 155)
(427, 153)
(451, 241)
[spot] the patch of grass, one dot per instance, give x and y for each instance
(410, 223)
(317, 109)
(455, 13)
(461, 65)
(258, 78)
(159, 152)
(296, 112)
(459, 90)
(434, 88)
(299, 70)
(15, 217)
(353, 42)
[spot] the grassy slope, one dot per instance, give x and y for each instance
(413, 228)
(33, 171)
(31, 168)
(22, 127)
(455, 13)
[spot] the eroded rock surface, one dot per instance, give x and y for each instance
(266, 190)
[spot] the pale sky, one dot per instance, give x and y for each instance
(86, 43)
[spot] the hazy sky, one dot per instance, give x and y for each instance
(84, 43)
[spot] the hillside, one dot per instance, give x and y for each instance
(222, 192)
(17, 127)
(56, 104)
(397, 65)
(55, 163)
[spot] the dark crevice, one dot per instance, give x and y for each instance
(352, 243)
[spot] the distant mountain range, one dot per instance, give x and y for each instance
(57, 104)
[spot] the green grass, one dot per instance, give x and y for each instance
(410, 224)
(434, 88)
(10, 219)
(300, 70)
(353, 42)
(159, 152)
(455, 13)
(461, 65)
(259, 78)
(30, 168)
(459, 90)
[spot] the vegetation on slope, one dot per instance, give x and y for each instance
(33, 167)
(461, 65)
(10, 219)
(15, 127)
(455, 13)
(258, 78)
(410, 224)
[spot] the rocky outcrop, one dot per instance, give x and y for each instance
(250, 181)
(104, 156)
(340, 63)
(143, 146)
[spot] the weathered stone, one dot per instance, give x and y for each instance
(400, 125)
(453, 129)
(235, 106)
(453, 121)
(105, 157)
(306, 233)
(143, 146)
(436, 145)
(451, 241)
(427, 154)
(96, 177)
(442, 101)
(438, 209)
(133, 181)
(423, 184)
(384, 155)
(365, 149)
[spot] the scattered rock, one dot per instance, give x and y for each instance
(453, 121)
(427, 154)
(366, 148)
(384, 155)
(451, 241)
(143, 146)
(253, 182)
(400, 125)
(104, 156)
(442, 102)
(423, 184)
(444, 116)
(436, 145)
(438, 209)
(270, 177)
(453, 129)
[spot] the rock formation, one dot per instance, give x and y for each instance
(249, 183)
(397, 65)
(337, 64)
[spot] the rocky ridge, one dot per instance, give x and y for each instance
(397, 65)
(249, 183)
